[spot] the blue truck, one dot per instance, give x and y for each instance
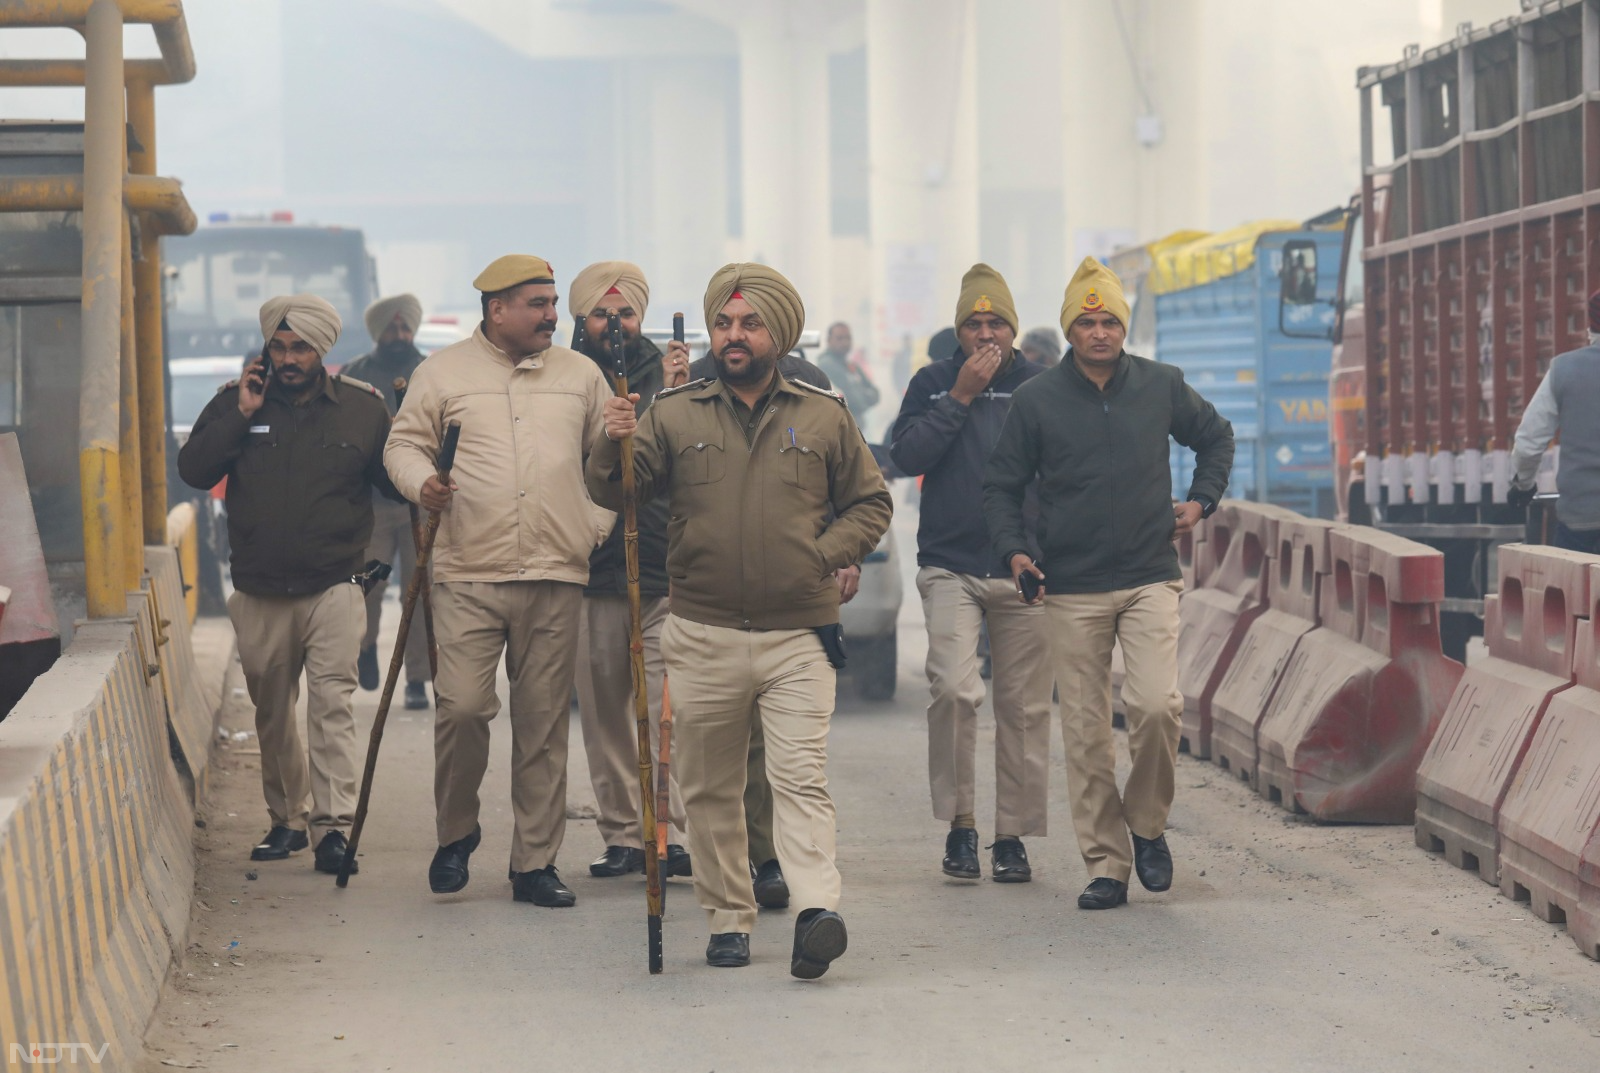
(1246, 315)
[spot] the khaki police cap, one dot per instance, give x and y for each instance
(512, 270)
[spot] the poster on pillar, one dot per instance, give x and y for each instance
(908, 311)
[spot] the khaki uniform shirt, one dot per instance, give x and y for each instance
(520, 511)
(765, 504)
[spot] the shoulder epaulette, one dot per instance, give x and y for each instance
(834, 395)
(225, 387)
(361, 384)
(664, 392)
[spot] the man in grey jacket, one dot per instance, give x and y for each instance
(1568, 401)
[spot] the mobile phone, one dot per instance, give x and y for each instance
(264, 363)
(1030, 584)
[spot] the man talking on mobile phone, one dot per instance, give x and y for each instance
(302, 450)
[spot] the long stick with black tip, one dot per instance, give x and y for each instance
(416, 543)
(446, 459)
(664, 751)
(641, 693)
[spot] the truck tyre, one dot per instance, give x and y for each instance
(876, 667)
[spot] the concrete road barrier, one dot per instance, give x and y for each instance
(1299, 563)
(1530, 629)
(1361, 697)
(1214, 618)
(1551, 814)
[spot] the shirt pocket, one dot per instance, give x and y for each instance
(802, 463)
(341, 459)
(699, 460)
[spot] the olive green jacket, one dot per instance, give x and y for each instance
(755, 532)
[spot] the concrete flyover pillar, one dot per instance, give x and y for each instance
(783, 131)
(923, 161)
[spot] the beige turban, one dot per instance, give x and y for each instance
(309, 317)
(382, 312)
(622, 279)
(773, 296)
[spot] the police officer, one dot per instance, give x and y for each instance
(605, 678)
(303, 452)
(392, 322)
(771, 489)
(509, 564)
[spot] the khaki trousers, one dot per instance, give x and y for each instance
(279, 637)
(1083, 627)
(610, 725)
(956, 607)
(729, 679)
(535, 623)
(758, 801)
(393, 543)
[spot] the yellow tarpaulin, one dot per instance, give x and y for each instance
(1189, 258)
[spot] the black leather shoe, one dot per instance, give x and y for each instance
(1009, 863)
(617, 861)
(678, 863)
(542, 886)
(1103, 893)
(772, 892)
(367, 667)
(448, 872)
(819, 938)
(961, 853)
(1152, 860)
(416, 696)
(729, 950)
(330, 853)
(279, 843)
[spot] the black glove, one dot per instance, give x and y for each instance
(1521, 497)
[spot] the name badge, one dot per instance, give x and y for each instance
(260, 428)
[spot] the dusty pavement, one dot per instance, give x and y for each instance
(1282, 946)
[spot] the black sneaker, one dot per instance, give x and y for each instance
(542, 886)
(1009, 863)
(416, 696)
(771, 889)
(279, 843)
(330, 854)
(367, 667)
(961, 853)
(819, 939)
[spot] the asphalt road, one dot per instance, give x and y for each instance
(1282, 946)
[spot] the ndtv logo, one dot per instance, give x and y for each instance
(50, 1054)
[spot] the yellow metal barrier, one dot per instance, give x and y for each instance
(121, 418)
(183, 533)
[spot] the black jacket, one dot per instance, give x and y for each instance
(300, 482)
(1105, 480)
(608, 567)
(380, 368)
(948, 444)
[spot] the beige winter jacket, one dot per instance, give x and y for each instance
(520, 511)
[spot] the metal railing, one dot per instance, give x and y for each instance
(122, 411)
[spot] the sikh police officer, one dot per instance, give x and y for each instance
(392, 322)
(605, 680)
(303, 452)
(771, 489)
(510, 562)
